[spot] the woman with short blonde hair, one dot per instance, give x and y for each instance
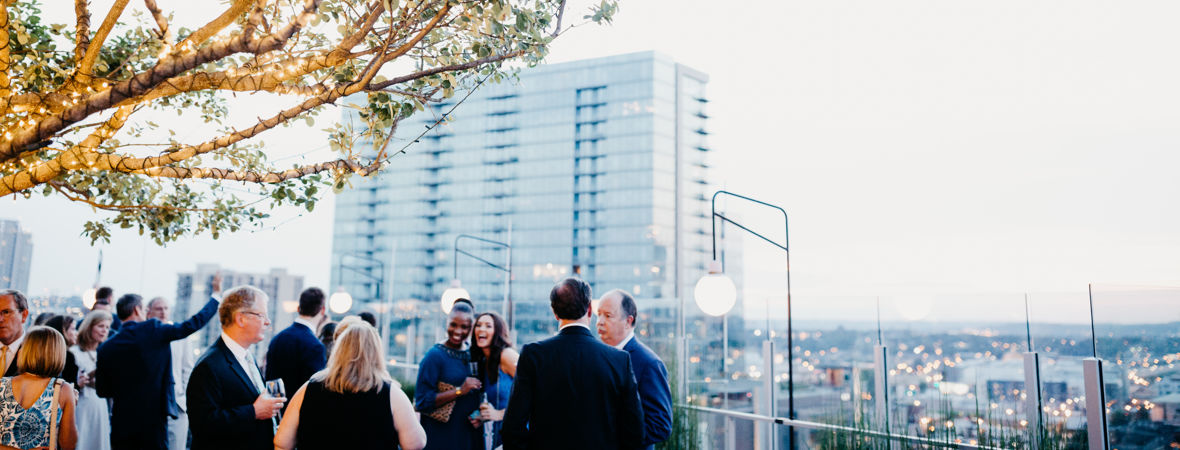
(50, 400)
(352, 402)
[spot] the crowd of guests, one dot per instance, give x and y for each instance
(125, 377)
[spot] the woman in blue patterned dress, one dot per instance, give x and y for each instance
(447, 363)
(493, 350)
(26, 399)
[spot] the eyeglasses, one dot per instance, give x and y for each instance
(256, 314)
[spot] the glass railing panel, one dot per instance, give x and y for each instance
(1137, 332)
(832, 364)
(955, 365)
(1061, 338)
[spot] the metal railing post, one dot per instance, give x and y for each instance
(881, 387)
(1095, 404)
(1032, 398)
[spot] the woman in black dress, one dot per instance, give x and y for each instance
(353, 403)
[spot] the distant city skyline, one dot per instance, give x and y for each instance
(921, 151)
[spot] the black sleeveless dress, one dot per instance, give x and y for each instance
(330, 420)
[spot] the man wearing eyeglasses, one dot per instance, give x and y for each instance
(14, 310)
(135, 370)
(228, 404)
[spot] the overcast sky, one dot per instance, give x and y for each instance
(937, 154)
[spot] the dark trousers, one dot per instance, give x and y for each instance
(145, 435)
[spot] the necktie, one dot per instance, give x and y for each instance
(3, 360)
(253, 371)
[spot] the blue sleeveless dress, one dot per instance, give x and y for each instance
(25, 428)
(498, 397)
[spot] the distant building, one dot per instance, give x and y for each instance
(597, 168)
(16, 256)
(194, 288)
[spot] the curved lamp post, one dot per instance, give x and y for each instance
(716, 294)
(456, 290)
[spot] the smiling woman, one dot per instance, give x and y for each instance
(447, 392)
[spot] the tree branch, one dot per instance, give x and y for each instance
(340, 165)
(94, 47)
(82, 29)
(428, 72)
(216, 25)
(5, 52)
(78, 196)
(161, 21)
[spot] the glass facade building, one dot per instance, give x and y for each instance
(596, 168)
(16, 256)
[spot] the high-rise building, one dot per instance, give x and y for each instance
(596, 168)
(16, 256)
(194, 288)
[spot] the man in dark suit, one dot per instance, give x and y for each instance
(296, 353)
(134, 369)
(103, 301)
(572, 391)
(228, 408)
(14, 310)
(617, 314)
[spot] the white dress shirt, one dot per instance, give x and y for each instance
(306, 323)
(630, 336)
(575, 324)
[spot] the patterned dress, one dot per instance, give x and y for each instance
(25, 428)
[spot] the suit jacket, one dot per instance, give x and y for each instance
(134, 368)
(654, 392)
(221, 405)
(294, 355)
(11, 370)
(573, 392)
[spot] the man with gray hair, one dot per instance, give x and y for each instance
(183, 361)
(14, 310)
(228, 405)
(617, 315)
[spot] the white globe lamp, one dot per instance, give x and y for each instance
(715, 293)
(340, 302)
(89, 298)
(452, 293)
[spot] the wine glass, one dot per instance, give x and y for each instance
(275, 389)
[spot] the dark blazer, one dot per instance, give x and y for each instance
(573, 392)
(294, 355)
(134, 368)
(654, 392)
(221, 404)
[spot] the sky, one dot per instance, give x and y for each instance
(943, 156)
